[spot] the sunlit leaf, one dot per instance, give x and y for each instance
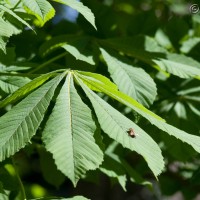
(133, 81)
(192, 140)
(15, 16)
(41, 9)
(147, 50)
(116, 126)
(24, 90)
(19, 124)
(69, 134)
(84, 10)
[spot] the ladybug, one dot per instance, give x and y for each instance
(131, 133)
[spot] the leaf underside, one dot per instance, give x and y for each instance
(69, 134)
(116, 126)
(19, 124)
(192, 140)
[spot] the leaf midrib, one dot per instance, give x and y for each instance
(70, 115)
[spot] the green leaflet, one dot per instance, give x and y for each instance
(192, 140)
(19, 124)
(82, 54)
(9, 84)
(24, 90)
(75, 45)
(102, 85)
(15, 16)
(69, 134)
(147, 50)
(189, 44)
(141, 47)
(133, 81)
(116, 125)
(84, 10)
(179, 65)
(162, 38)
(41, 9)
(98, 78)
(6, 30)
(3, 41)
(4, 196)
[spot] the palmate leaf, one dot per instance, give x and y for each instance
(116, 125)
(19, 124)
(84, 10)
(69, 134)
(41, 9)
(192, 140)
(133, 81)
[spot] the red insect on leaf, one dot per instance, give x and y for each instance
(131, 133)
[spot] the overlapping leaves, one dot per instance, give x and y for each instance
(70, 131)
(39, 10)
(133, 81)
(146, 49)
(19, 124)
(116, 126)
(192, 140)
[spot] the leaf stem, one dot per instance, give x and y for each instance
(48, 62)
(19, 180)
(16, 5)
